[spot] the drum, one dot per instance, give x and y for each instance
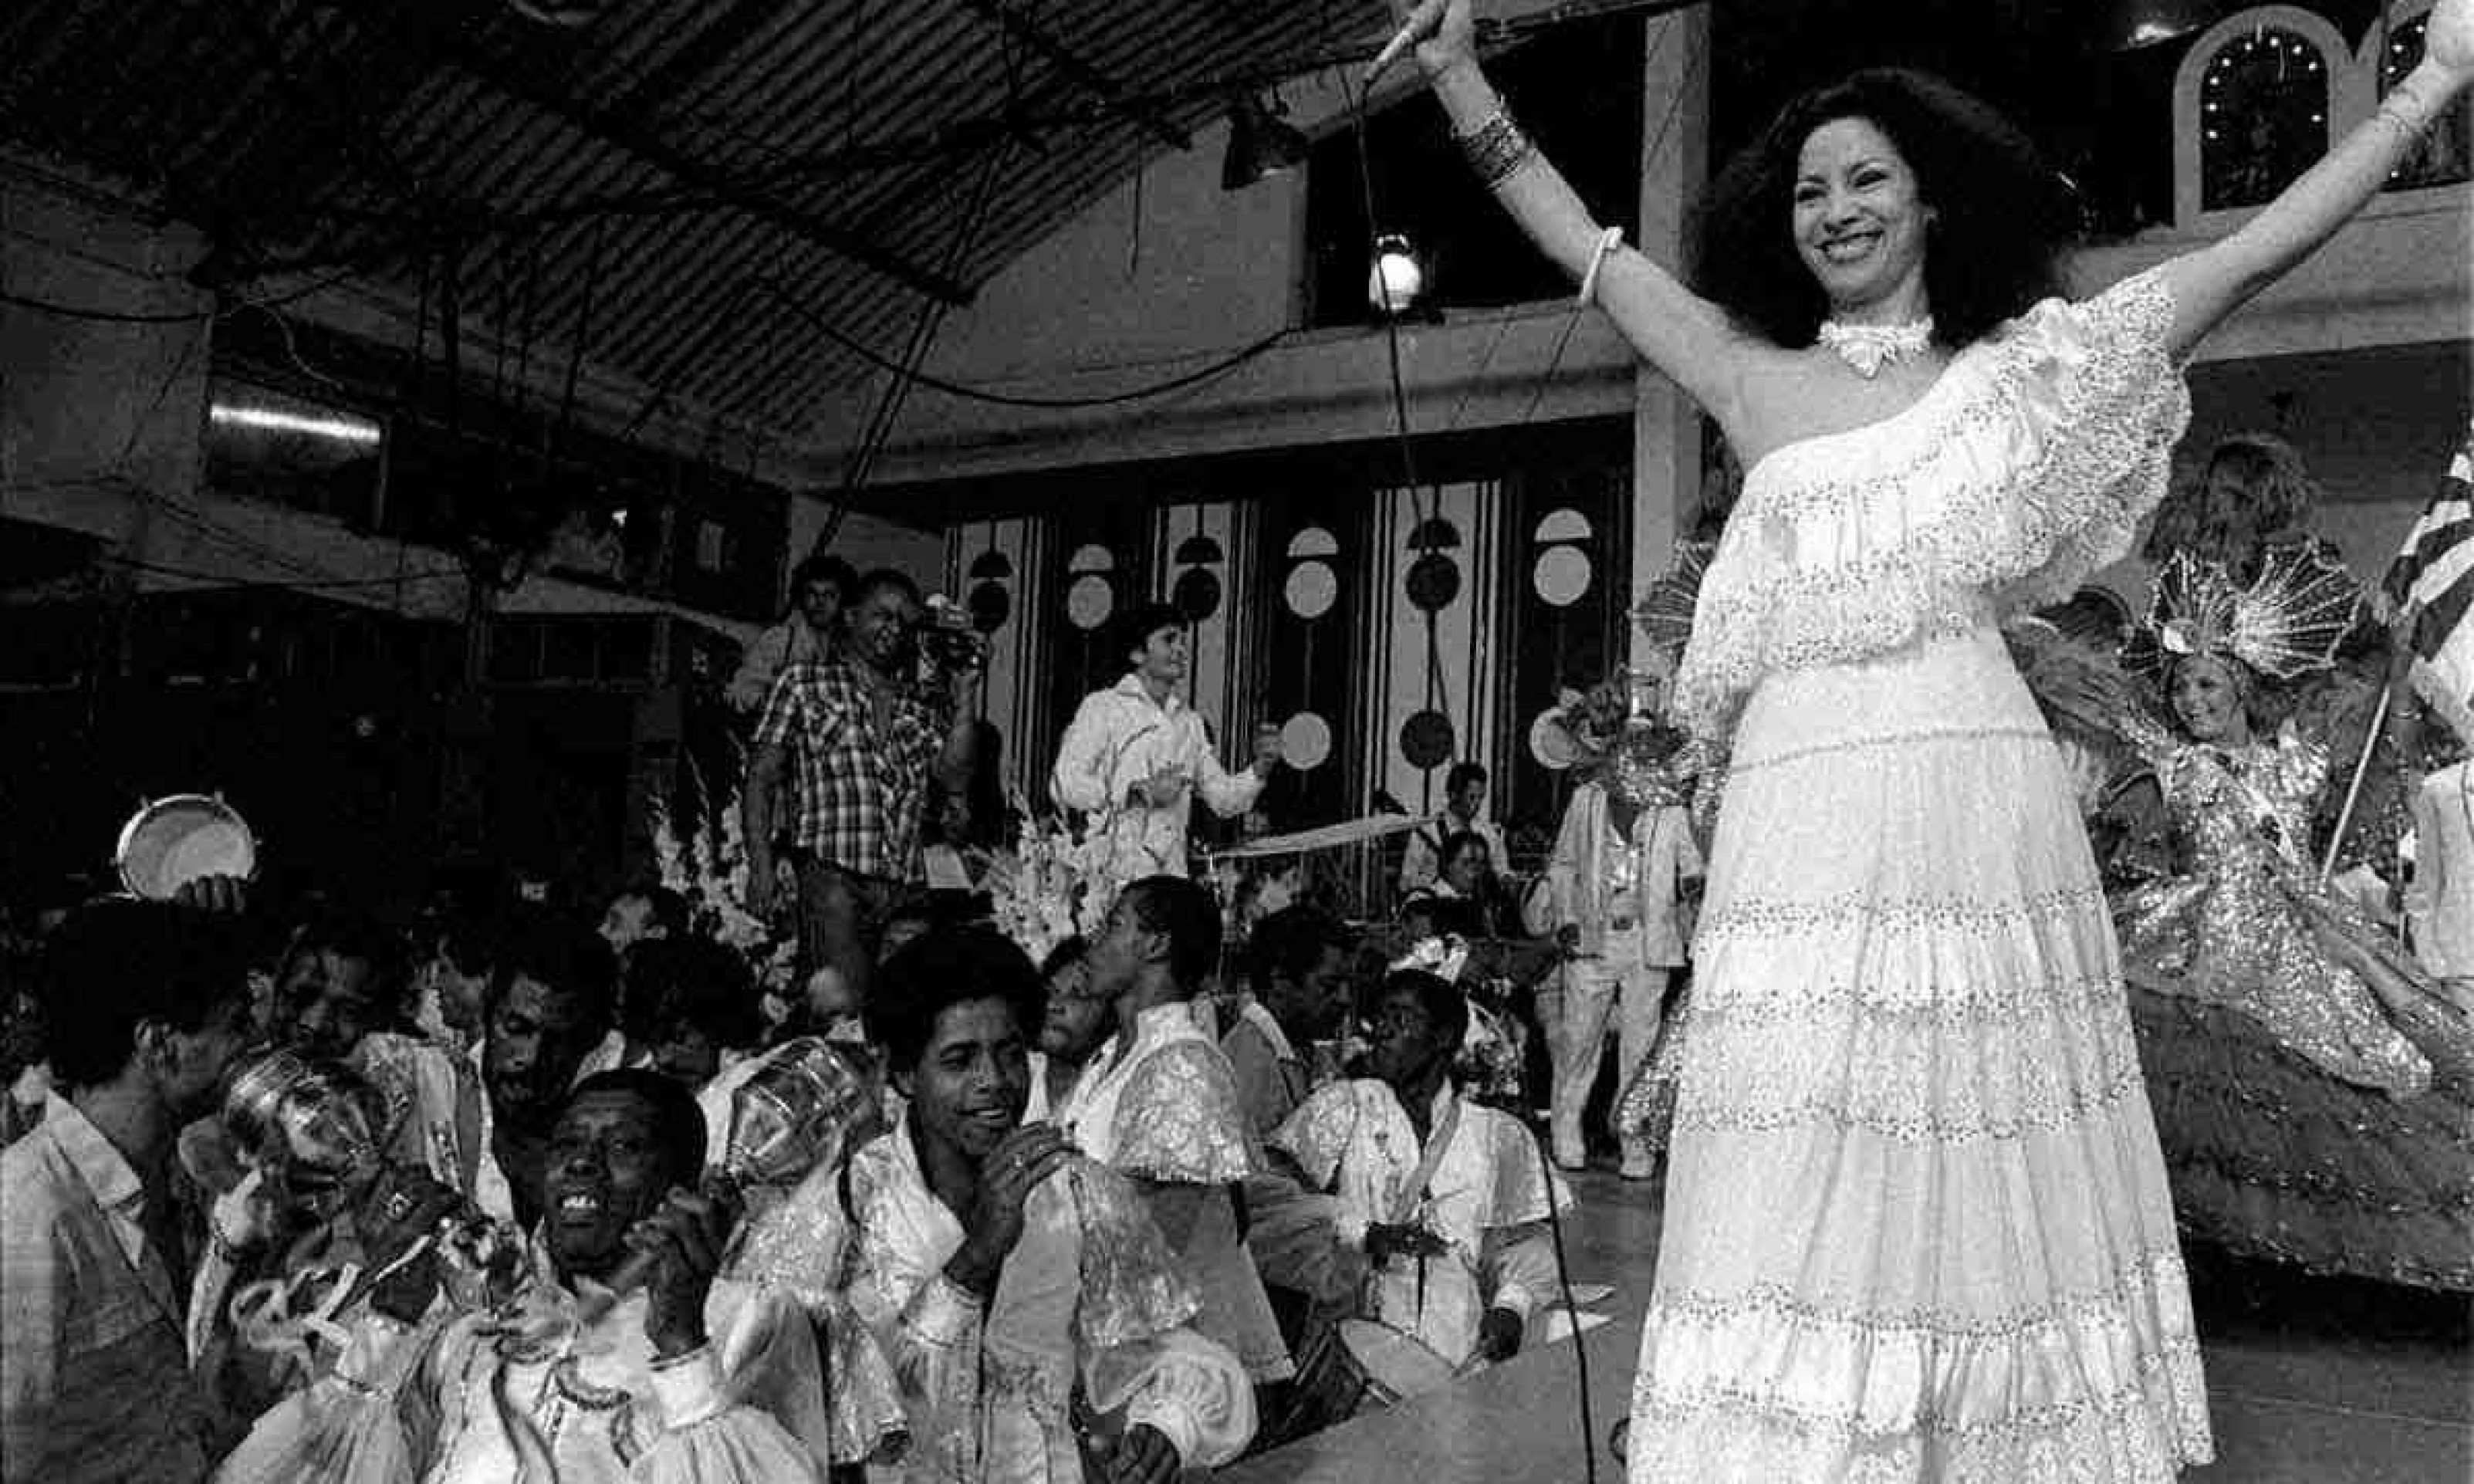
(172, 841)
(1394, 1364)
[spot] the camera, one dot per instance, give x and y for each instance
(948, 640)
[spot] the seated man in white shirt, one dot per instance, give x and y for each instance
(1447, 1199)
(1079, 1020)
(1463, 812)
(1297, 994)
(680, 1380)
(1035, 1313)
(1159, 1103)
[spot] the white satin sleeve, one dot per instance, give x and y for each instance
(368, 1423)
(711, 1433)
(1191, 1390)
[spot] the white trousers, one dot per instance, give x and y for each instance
(1611, 986)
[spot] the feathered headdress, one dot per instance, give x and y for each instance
(2289, 622)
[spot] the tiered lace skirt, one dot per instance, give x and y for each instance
(1916, 1225)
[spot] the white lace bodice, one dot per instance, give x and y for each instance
(2024, 468)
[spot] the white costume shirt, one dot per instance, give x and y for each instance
(1090, 1294)
(1119, 738)
(456, 1400)
(1163, 1107)
(1488, 1198)
(1591, 871)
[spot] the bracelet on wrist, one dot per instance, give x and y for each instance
(1608, 241)
(1496, 148)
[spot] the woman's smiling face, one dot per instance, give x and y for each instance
(1859, 213)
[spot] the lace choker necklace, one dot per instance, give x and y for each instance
(1868, 347)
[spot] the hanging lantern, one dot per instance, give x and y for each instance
(1397, 280)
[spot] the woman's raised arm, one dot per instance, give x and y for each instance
(1684, 335)
(2211, 283)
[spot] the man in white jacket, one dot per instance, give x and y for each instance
(1624, 870)
(1136, 755)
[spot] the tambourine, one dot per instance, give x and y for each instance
(172, 841)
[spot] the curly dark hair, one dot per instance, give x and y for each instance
(2002, 216)
(928, 976)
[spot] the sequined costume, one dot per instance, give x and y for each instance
(1916, 1222)
(2313, 1092)
(1488, 1199)
(1161, 1106)
(1089, 1326)
(536, 1394)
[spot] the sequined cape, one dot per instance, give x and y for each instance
(532, 1396)
(1161, 1104)
(1089, 1326)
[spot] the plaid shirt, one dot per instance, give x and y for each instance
(863, 791)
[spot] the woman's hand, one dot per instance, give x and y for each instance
(1446, 34)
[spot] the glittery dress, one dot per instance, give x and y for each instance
(2313, 1092)
(1916, 1222)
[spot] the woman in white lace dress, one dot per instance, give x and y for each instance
(1917, 1226)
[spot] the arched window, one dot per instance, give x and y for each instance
(2256, 102)
(2263, 117)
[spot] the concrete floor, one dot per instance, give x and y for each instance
(2309, 1382)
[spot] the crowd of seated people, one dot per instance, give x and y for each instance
(307, 1195)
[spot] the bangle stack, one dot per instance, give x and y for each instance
(1496, 149)
(2397, 110)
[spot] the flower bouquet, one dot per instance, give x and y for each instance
(708, 865)
(1054, 884)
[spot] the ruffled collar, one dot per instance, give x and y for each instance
(1868, 347)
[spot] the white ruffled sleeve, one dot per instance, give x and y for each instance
(2026, 468)
(1133, 1310)
(370, 1422)
(717, 1427)
(2095, 407)
(1191, 1390)
(1179, 1121)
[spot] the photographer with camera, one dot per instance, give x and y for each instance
(867, 737)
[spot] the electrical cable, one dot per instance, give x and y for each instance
(1428, 512)
(288, 585)
(63, 311)
(935, 384)
(1571, 1315)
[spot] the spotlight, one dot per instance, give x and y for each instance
(2130, 25)
(1397, 279)
(1259, 145)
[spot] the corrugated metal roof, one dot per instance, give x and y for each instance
(654, 164)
